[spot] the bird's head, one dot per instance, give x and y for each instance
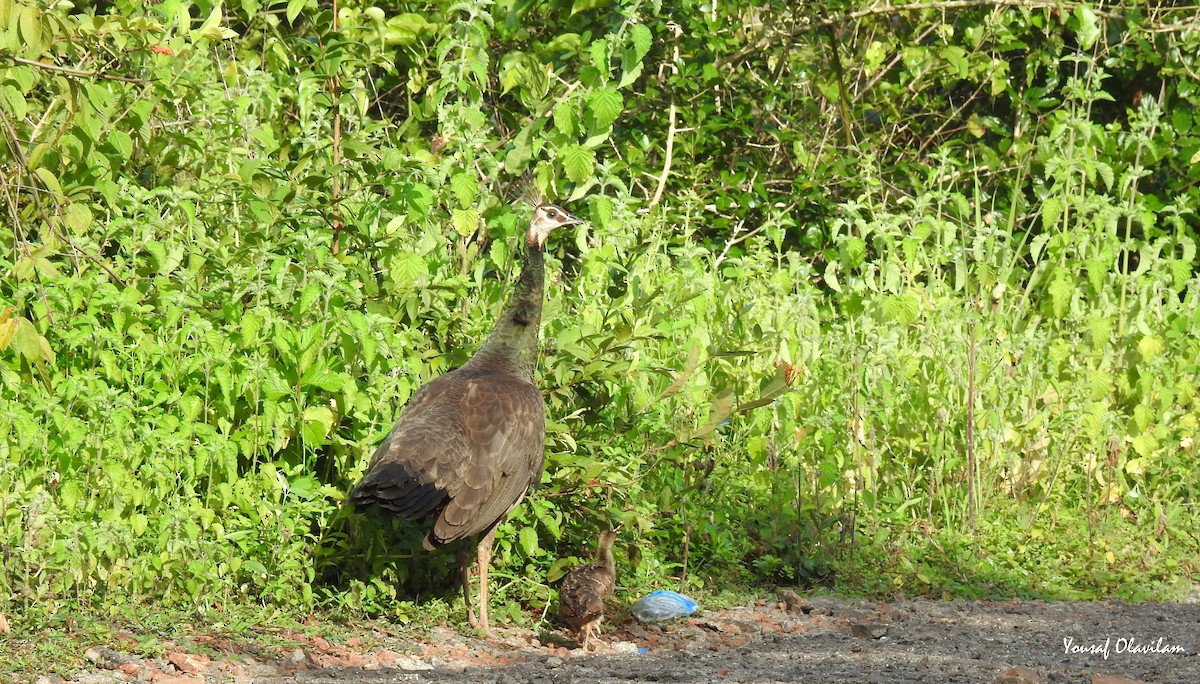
(547, 217)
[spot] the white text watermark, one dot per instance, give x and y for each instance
(1121, 645)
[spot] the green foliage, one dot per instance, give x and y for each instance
(242, 236)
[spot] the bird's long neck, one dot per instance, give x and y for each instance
(604, 557)
(515, 337)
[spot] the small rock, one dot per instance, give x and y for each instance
(793, 603)
(554, 661)
(98, 678)
(1019, 675)
(159, 678)
(4, 628)
(1109, 679)
(49, 679)
(867, 629)
(189, 663)
(624, 647)
(107, 658)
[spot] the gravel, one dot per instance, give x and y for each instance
(819, 639)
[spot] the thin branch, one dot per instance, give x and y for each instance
(338, 223)
(670, 152)
(671, 129)
(73, 72)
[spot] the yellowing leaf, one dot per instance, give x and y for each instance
(7, 330)
(78, 218)
(1150, 346)
(466, 221)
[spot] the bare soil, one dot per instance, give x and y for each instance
(819, 639)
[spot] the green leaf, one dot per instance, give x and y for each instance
(605, 104)
(830, 276)
(1087, 31)
(578, 162)
(465, 188)
(28, 20)
(317, 422)
(466, 221)
(1150, 347)
(14, 102)
(71, 494)
(407, 268)
(1052, 209)
(77, 218)
(565, 118)
(598, 51)
(29, 343)
(294, 8)
(1062, 288)
(642, 39)
(957, 57)
(528, 540)
(122, 143)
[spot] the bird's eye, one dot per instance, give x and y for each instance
(552, 214)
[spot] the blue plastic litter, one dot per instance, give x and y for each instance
(663, 605)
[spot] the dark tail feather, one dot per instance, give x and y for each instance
(394, 490)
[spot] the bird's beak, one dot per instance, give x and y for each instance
(571, 219)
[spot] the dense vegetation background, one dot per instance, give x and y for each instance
(897, 299)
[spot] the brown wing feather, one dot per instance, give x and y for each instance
(581, 596)
(505, 422)
(466, 448)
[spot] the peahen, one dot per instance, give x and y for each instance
(470, 443)
(581, 596)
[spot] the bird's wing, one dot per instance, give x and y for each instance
(581, 595)
(412, 469)
(504, 424)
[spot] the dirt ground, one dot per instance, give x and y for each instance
(791, 639)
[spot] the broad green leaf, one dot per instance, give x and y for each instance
(564, 118)
(70, 493)
(1062, 288)
(578, 162)
(830, 276)
(1052, 209)
(528, 540)
(294, 8)
(28, 21)
(598, 51)
(642, 39)
(466, 221)
(1088, 30)
(402, 29)
(466, 188)
(14, 102)
(317, 422)
(854, 250)
(49, 180)
(78, 218)
(605, 104)
(29, 343)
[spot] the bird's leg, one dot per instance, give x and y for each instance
(464, 567)
(484, 555)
